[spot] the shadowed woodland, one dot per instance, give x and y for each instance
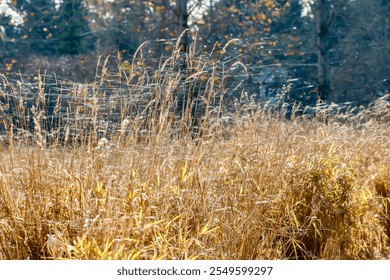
(336, 51)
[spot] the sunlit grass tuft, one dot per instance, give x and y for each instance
(138, 179)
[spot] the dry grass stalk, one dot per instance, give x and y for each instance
(143, 184)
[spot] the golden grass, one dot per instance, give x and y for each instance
(252, 185)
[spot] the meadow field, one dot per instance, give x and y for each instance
(128, 176)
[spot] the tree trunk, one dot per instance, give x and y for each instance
(321, 15)
(211, 14)
(182, 21)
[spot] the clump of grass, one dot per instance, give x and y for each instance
(129, 176)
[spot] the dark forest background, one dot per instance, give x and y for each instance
(330, 50)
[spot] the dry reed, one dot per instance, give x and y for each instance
(133, 178)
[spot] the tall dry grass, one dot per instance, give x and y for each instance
(135, 178)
